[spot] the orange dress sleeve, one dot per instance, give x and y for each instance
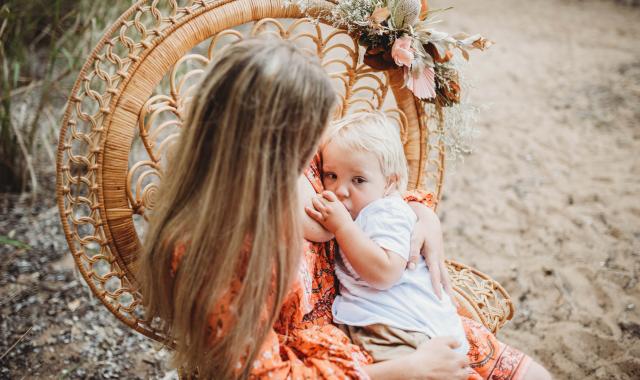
(418, 195)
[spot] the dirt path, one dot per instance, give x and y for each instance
(549, 201)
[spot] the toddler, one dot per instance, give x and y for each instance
(387, 310)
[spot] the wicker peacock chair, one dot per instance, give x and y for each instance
(126, 109)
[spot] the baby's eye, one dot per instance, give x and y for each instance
(329, 176)
(359, 180)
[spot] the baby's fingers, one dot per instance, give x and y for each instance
(330, 196)
(413, 262)
(313, 214)
(318, 205)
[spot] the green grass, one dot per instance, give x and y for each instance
(43, 43)
(14, 243)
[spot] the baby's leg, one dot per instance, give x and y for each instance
(383, 342)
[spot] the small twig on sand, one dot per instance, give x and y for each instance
(17, 341)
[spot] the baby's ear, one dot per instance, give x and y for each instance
(392, 184)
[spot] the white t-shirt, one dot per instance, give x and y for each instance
(411, 303)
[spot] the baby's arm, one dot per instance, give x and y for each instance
(377, 266)
(313, 231)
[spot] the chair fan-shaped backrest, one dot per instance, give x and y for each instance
(128, 103)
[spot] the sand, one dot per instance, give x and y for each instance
(548, 203)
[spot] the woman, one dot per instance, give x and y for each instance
(222, 255)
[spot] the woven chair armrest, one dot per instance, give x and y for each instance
(480, 297)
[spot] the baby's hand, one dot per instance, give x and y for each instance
(329, 211)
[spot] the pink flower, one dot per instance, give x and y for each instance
(401, 51)
(422, 84)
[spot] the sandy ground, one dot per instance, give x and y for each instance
(548, 203)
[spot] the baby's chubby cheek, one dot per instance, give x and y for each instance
(347, 206)
(353, 211)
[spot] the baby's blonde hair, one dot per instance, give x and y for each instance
(372, 132)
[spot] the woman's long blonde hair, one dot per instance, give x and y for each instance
(253, 127)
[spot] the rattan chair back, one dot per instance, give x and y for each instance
(127, 108)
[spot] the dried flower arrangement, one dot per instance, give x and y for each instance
(399, 33)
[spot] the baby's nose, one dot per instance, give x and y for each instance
(342, 192)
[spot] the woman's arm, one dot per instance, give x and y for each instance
(435, 359)
(427, 239)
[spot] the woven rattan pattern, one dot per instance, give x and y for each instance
(126, 110)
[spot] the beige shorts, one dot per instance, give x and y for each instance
(383, 342)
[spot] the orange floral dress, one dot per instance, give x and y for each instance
(304, 344)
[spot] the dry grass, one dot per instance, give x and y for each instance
(43, 43)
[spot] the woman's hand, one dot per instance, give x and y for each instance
(426, 239)
(435, 359)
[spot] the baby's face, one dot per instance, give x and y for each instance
(354, 176)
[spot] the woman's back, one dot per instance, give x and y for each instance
(250, 132)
